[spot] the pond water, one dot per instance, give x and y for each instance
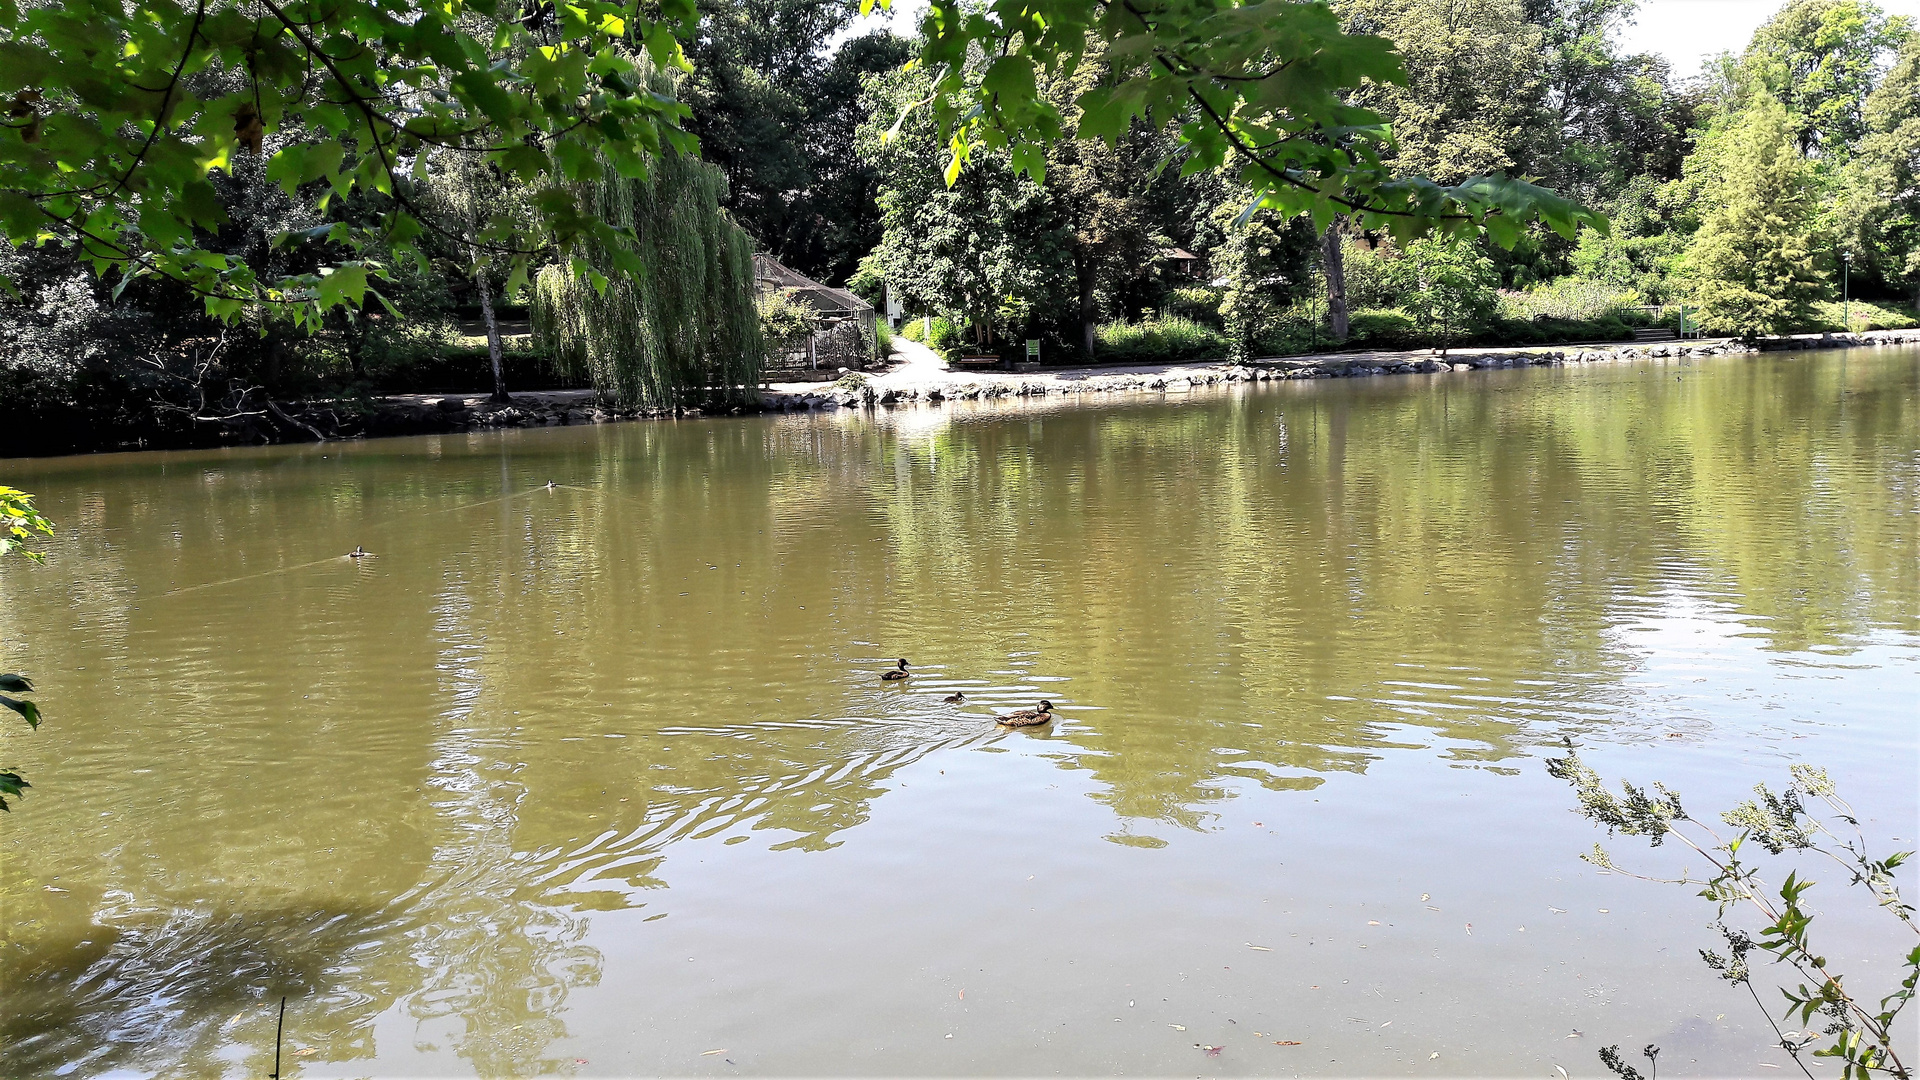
(600, 779)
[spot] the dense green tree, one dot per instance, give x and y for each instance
(991, 249)
(1448, 286)
(1821, 59)
(1752, 264)
(1265, 262)
(1651, 225)
(119, 116)
(777, 112)
(1104, 194)
(470, 192)
(1613, 116)
(1876, 212)
(840, 216)
(1529, 86)
(1259, 88)
(686, 319)
(1101, 195)
(1081, 245)
(1473, 101)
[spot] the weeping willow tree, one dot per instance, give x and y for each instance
(685, 320)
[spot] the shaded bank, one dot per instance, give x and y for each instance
(434, 414)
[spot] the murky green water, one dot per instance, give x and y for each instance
(600, 779)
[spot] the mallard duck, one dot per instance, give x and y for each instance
(358, 552)
(955, 698)
(900, 672)
(1027, 717)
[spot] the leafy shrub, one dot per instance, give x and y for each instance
(944, 340)
(1571, 298)
(1373, 278)
(1170, 339)
(1201, 303)
(945, 337)
(462, 367)
(1289, 337)
(852, 380)
(1385, 329)
(883, 338)
(784, 319)
(868, 279)
(1831, 315)
(1555, 331)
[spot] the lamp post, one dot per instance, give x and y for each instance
(1846, 296)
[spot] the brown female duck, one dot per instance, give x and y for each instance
(900, 672)
(1027, 717)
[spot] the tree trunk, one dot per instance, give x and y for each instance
(493, 337)
(1333, 260)
(356, 355)
(1088, 313)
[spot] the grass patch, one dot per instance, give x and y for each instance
(1170, 339)
(1830, 316)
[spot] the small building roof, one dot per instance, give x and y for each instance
(1179, 255)
(770, 274)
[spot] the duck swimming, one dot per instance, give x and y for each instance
(955, 698)
(899, 672)
(1027, 717)
(358, 552)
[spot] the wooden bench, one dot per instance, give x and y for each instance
(977, 361)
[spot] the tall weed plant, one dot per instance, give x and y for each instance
(1766, 923)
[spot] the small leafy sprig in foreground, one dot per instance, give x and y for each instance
(1862, 1032)
(19, 524)
(1617, 1065)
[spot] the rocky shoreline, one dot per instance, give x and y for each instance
(954, 386)
(427, 414)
